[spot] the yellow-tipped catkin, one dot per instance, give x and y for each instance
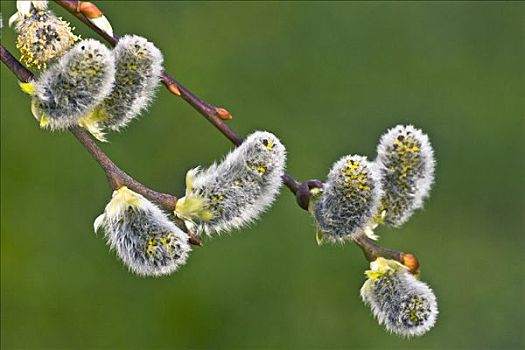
(236, 191)
(42, 37)
(72, 87)
(399, 301)
(138, 66)
(349, 198)
(406, 162)
(142, 235)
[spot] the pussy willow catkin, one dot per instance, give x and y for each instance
(406, 161)
(71, 88)
(349, 198)
(237, 190)
(142, 235)
(42, 36)
(399, 301)
(138, 65)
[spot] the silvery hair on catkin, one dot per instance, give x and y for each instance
(237, 190)
(400, 302)
(349, 198)
(406, 162)
(138, 65)
(75, 85)
(142, 235)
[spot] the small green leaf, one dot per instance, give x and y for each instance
(319, 235)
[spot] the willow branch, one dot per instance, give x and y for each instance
(21, 73)
(116, 176)
(215, 115)
(372, 251)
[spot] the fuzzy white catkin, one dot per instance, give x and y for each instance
(138, 65)
(142, 235)
(349, 199)
(74, 86)
(406, 162)
(236, 191)
(399, 301)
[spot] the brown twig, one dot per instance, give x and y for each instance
(372, 251)
(116, 176)
(14, 66)
(215, 115)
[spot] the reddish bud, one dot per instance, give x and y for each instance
(223, 114)
(174, 89)
(89, 9)
(410, 261)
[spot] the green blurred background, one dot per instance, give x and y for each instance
(328, 79)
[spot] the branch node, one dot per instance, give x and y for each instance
(195, 240)
(304, 192)
(372, 251)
